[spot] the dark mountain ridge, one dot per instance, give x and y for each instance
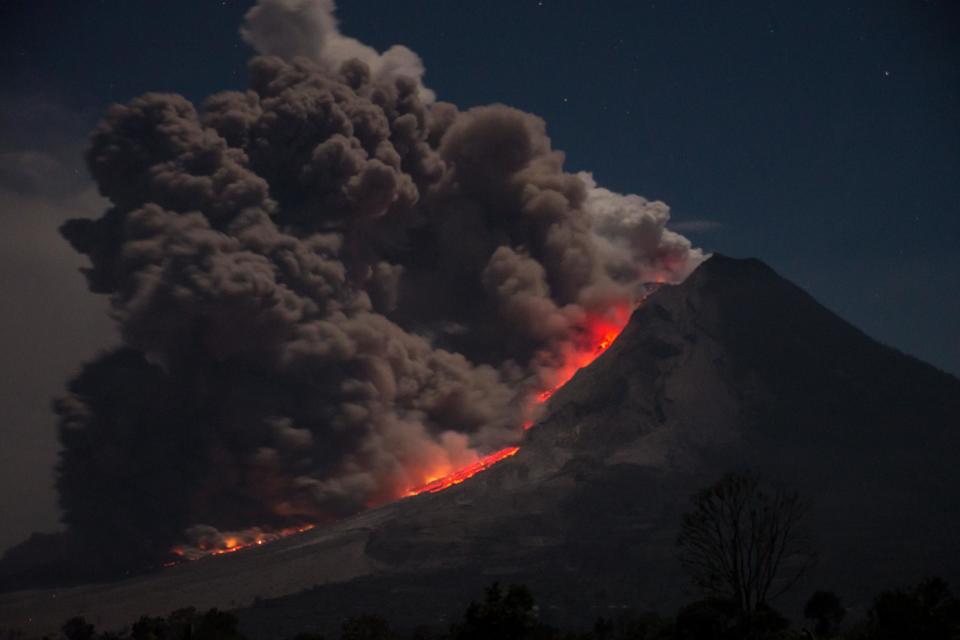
(734, 369)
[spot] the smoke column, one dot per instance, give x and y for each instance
(328, 286)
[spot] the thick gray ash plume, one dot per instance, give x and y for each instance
(328, 286)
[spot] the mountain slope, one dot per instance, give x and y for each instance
(735, 368)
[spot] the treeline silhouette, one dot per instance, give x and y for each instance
(926, 611)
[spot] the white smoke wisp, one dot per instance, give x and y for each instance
(634, 237)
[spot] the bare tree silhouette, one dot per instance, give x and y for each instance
(746, 541)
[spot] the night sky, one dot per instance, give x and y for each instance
(821, 137)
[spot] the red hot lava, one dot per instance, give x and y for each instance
(231, 542)
(433, 485)
(598, 334)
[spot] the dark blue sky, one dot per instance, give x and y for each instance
(821, 136)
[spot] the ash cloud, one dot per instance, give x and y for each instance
(309, 29)
(327, 286)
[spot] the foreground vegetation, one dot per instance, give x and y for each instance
(927, 611)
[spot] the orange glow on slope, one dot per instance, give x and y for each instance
(598, 334)
(233, 542)
(458, 476)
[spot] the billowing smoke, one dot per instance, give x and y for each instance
(328, 286)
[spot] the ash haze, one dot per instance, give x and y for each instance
(834, 162)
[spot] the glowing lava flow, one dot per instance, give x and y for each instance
(598, 335)
(230, 543)
(458, 476)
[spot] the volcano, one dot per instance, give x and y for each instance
(736, 368)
